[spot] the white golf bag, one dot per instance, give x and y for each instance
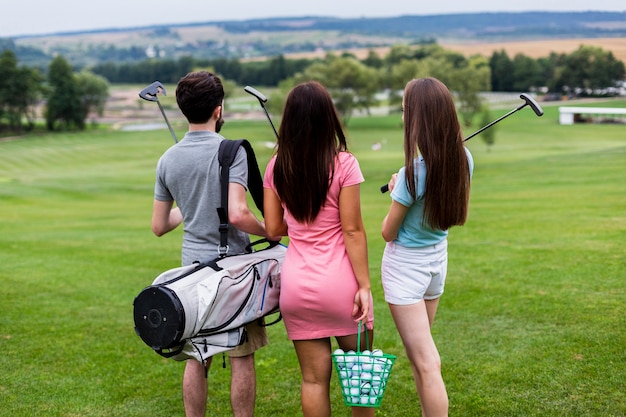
(199, 310)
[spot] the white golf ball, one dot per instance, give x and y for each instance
(366, 388)
(366, 376)
(367, 365)
(376, 381)
(377, 352)
(354, 391)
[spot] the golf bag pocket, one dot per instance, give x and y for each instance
(208, 298)
(202, 348)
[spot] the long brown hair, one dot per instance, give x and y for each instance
(432, 128)
(309, 138)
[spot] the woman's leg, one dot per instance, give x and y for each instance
(413, 323)
(315, 365)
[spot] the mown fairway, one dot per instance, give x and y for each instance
(532, 321)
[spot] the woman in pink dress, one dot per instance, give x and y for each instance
(312, 195)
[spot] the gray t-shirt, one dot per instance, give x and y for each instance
(189, 174)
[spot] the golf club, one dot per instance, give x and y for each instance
(151, 93)
(262, 99)
(528, 101)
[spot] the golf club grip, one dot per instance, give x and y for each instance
(384, 188)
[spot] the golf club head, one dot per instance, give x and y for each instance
(256, 93)
(151, 92)
(532, 103)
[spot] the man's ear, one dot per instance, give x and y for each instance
(217, 112)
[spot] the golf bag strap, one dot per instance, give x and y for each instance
(226, 156)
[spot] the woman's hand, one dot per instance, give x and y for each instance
(362, 304)
(392, 182)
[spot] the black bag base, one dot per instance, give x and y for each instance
(159, 317)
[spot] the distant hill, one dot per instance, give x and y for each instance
(250, 38)
(492, 26)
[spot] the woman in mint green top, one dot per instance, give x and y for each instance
(429, 195)
(414, 232)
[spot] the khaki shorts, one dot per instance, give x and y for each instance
(257, 338)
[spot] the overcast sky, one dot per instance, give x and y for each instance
(30, 17)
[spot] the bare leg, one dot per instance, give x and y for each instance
(195, 388)
(315, 365)
(243, 386)
(431, 310)
(413, 323)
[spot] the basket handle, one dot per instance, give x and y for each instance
(358, 338)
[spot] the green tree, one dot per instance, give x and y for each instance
(398, 53)
(373, 60)
(501, 71)
(94, 92)
(526, 73)
(400, 74)
(19, 91)
(351, 84)
(590, 68)
(470, 81)
(467, 78)
(64, 99)
(488, 135)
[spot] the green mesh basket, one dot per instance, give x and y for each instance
(363, 376)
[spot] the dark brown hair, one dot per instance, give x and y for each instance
(432, 128)
(198, 94)
(309, 138)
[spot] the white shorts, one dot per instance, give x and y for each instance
(410, 275)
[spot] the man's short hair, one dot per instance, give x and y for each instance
(198, 94)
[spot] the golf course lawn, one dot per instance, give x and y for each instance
(532, 322)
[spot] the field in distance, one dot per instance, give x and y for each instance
(533, 49)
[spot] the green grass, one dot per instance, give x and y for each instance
(532, 321)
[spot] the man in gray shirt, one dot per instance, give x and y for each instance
(188, 175)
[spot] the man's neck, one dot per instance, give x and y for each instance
(210, 126)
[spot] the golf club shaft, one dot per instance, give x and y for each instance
(527, 101)
(262, 99)
(495, 121)
(269, 119)
(167, 122)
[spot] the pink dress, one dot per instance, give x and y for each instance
(317, 281)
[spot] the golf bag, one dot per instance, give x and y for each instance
(199, 310)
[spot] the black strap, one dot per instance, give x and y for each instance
(226, 155)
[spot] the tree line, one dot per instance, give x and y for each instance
(70, 96)
(354, 82)
(589, 68)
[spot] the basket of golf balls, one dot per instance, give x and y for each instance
(363, 375)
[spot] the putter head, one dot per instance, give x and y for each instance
(255, 93)
(532, 103)
(151, 92)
